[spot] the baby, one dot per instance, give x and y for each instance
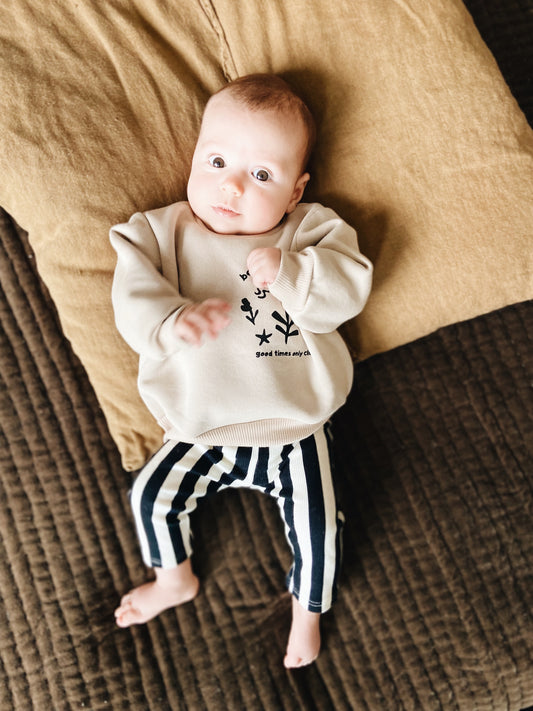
(232, 301)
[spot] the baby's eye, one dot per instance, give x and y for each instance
(217, 161)
(261, 174)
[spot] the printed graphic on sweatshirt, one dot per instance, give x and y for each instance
(273, 329)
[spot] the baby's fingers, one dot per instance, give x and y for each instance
(207, 318)
(263, 264)
(216, 314)
(189, 329)
(215, 306)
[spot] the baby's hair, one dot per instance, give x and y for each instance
(270, 92)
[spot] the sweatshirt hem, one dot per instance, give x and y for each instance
(261, 433)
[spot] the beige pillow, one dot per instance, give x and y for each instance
(421, 147)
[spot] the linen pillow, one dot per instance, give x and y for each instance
(421, 147)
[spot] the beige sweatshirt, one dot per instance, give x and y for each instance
(280, 369)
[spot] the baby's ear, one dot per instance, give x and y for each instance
(298, 191)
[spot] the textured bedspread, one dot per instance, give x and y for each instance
(434, 470)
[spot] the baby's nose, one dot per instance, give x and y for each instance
(232, 185)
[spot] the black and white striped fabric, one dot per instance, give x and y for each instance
(297, 475)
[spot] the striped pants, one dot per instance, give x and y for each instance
(297, 475)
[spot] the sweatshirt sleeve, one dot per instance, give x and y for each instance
(145, 303)
(327, 280)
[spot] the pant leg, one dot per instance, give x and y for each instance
(313, 523)
(167, 489)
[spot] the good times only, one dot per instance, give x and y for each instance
(280, 354)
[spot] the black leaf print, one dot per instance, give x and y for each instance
(287, 324)
(247, 308)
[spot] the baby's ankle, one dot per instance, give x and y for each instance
(178, 578)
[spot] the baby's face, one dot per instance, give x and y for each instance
(246, 169)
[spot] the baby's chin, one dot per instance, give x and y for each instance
(231, 225)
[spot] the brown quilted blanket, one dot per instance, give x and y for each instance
(434, 469)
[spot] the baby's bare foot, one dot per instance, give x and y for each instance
(149, 600)
(304, 638)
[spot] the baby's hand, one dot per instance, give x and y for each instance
(263, 264)
(208, 317)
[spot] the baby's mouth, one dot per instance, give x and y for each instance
(225, 211)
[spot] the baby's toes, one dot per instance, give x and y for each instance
(125, 601)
